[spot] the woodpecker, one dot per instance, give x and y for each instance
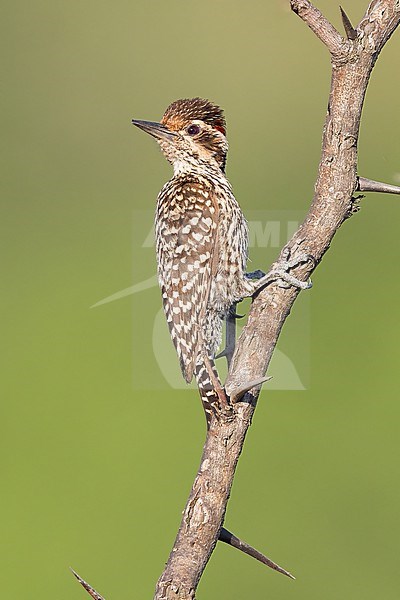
(201, 241)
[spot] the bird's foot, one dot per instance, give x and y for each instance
(280, 273)
(230, 334)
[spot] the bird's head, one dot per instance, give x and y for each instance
(192, 135)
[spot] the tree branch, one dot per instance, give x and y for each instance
(323, 29)
(333, 203)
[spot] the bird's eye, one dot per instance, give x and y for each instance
(193, 129)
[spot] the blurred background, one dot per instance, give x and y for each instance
(98, 452)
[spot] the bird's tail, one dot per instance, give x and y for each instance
(212, 393)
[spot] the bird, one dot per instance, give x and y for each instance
(201, 242)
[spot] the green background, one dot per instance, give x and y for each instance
(94, 470)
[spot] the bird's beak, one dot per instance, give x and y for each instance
(157, 130)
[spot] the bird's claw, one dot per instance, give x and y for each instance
(280, 271)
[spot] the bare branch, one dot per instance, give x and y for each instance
(320, 25)
(332, 204)
(378, 24)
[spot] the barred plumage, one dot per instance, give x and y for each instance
(201, 239)
(197, 225)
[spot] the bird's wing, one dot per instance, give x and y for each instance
(187, 250)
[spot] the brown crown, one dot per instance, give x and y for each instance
(182, 112)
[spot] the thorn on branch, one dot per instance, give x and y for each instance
(239, 392)
(228, 538)
(348, 27)
(369, 185)
(91, 591)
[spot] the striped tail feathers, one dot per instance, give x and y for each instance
(212, 393)
(208, 395)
